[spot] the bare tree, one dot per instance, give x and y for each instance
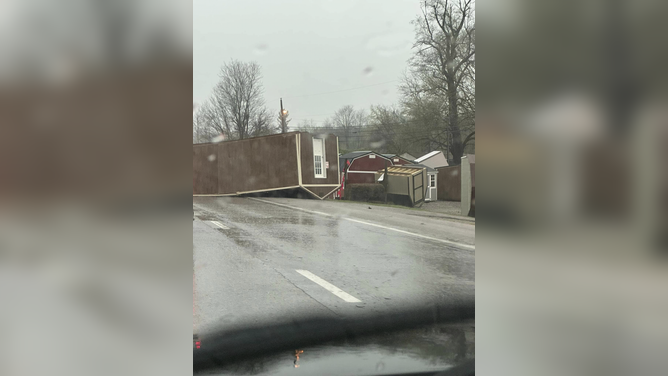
(236, 108)
(389, 130)
(208, 122)
(307, 125)
(201, 131)
(440, 86)
(260, 124)
(349, 120)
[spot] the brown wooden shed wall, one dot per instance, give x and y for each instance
(331, 156)
(253, 164)
(120, 132)
(261, 164)
(205, 172)
(449, 183)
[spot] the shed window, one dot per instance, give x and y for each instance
(318, 158)
(432, 181)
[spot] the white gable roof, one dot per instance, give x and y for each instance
(427, 156)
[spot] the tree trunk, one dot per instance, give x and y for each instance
(457, 148)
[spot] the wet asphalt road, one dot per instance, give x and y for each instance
(259, 261)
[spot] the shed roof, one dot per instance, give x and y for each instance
(429, 169)
(354, 154)
(427, 156)
(392, 156)
(402, 170)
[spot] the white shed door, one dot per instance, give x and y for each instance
(431, 191)
(319, 158)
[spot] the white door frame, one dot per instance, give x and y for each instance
(432, 191)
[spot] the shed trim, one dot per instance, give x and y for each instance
(245, 192)
(333, 190)
(367, 154)
(338, 155)
(320, 185)
(299, 157)
(214, 195)
(316, 185)
(267, 190)
(307, 190)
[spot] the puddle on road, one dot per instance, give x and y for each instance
(205, 216)
(261, 221)
(264, 221)
(241, 242)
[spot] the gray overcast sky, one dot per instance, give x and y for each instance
(307, 47)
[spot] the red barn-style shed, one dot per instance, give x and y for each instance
(398, 160)
(359, 167)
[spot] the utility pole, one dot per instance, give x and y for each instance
(284, 128)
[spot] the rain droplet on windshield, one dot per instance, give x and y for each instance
(261, 49)
(219, 138)
(368, 71)
(212, 157)
(377, 144)
(390, 44)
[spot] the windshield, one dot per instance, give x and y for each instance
(333, 175)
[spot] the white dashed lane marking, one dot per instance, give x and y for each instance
(219, 225)
(329, 287)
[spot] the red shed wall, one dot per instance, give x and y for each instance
(360, 178)
(366, 164)
(369, 164)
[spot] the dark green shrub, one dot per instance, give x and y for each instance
(402, 200)
(365, 192)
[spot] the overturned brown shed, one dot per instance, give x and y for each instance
(281, 162)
